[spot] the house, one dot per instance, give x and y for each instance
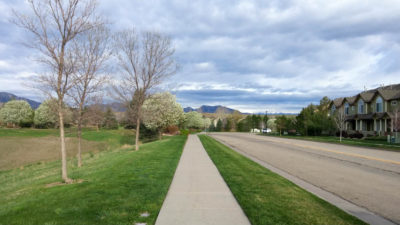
(373, 112)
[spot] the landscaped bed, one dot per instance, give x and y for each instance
(112, 187)
(268, 198)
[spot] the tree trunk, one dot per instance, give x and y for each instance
(137, 133)
(79, 155)
(340, 135)
(160, 134)
(63, 149)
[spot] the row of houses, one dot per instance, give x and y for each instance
(371, 112)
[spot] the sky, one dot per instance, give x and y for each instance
(254, 55)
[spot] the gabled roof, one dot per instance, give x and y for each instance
(388, 94)
(337, 102)
(351, 100)
(367, 96)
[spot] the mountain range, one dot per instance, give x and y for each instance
(211, 109)
(5, 97)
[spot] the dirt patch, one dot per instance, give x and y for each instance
(19, 151)
(62, 183)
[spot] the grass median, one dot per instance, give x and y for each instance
(267, 198)
(114, 187)
(380, 143)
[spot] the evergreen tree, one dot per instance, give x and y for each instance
(228, 125)
(110, 121)
(212, 126)
(219, 125)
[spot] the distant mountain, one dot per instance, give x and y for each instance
(210, 109)
(5, 97)
(115, 106)
(274, 114)
(188, 109)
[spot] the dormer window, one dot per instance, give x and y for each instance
(346, 108)
(379, 104)
(360, 106)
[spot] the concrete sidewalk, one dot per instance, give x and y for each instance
(198, 194)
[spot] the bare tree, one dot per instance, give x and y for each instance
(395, 122)
(145, 61)
(340, 120)
(53, 25)
(92, 52)
(94, 114)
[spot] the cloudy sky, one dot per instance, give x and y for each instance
(253, 55)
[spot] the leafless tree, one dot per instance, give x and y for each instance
(94, 113)
(340, 120)
(92, 52)
(53, 25)
(145, 61)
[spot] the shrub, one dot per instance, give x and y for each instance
(172, 130)
(344, 134)
(357, 135)
(184, 132)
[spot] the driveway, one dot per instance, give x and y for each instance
(367, 177)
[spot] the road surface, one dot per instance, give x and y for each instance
(366, 177)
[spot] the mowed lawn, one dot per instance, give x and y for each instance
(267, 198)
(19, 147)
(378, 143)
(114, 187)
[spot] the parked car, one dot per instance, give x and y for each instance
(266, 130)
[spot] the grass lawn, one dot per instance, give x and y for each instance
(19, 147)
(268, 198)
(117, 186)
(26, 132)
(378, 144)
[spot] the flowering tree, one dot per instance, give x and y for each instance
(160, 111)
(17, 112)
(46, 114)
(206, 123)
(193, 120)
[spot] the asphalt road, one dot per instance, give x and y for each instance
(366, 177)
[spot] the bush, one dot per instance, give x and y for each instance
(184, 132)
(344, 134)
(357, 135)
(172, 130)
(376, 138)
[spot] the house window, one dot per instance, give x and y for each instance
(360, 106)
(379, 104)
(346, 108)
(394, 102)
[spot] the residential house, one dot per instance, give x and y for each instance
(373, 112)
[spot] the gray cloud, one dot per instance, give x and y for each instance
(252, 54)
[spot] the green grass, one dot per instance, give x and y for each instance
(268, 198)
(114, 138)
(377, 144)
(117, 186)
(26, 132)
